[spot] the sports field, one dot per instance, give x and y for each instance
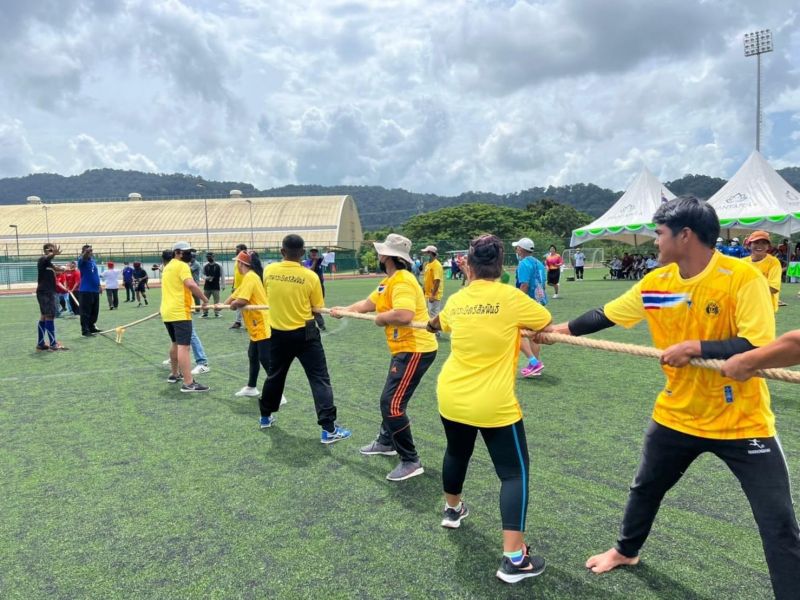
(116, 485)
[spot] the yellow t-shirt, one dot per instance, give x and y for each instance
(401, 291)
(292, 291)
(237, 277)
(728, 299)
(476, 385)
(771, 269)
(251, 288)
(176, 299)
(434, 271)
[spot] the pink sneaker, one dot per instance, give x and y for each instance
(533, 371)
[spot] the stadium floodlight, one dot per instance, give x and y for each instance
(16, 235)
(756, 44)
(205, 211)
(46, 222)
(252, 242)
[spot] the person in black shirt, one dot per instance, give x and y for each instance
(140, 278)
(314, 263)
(47, 298)
(212, 278)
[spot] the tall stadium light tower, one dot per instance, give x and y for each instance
(46, 222)
(16, 234)
(756, 44)
(205, 211)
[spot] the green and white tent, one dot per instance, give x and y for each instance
(629, 219)
(757, 198)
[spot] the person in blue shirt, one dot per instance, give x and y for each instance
(127, 279)
(530, 278)
(89, 291)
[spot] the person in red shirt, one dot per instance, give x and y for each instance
(553, 262)
(73, 282)
(63, 293)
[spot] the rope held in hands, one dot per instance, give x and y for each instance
(632, 349)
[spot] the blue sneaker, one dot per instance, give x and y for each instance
(340, 433)
(266, 422)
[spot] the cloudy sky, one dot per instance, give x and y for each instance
(428, 95)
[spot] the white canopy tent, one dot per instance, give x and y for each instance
(629, 219)
(757, 198)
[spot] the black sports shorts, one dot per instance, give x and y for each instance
(180, 332)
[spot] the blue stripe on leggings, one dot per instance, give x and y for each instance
(524, 477)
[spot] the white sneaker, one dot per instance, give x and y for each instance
(283, 400)
(167, 363)
(555, 295)
(200, 369)
(247, 391)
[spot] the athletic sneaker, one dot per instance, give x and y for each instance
(283, 400)
(405, 470)
(248, 391)
(339, 433)
(58, 346)
(555, 295)
(532, 370)
(235, 326)
(531, 566)
(167, 363)
(204, 316)
(266, 422)
(174, 378)
(200, 369)
(194, 387)
(377, 448)
(452, 517)
(42, 348)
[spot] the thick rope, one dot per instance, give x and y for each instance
(786, 375)
(119, 331)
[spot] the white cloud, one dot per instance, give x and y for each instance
(431, 96)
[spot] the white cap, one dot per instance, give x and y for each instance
(182, 246)
(525, 244)
(735, 240)
(395, 245)
(430, 249)
(720, 240)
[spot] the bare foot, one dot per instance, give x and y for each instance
(610, 559)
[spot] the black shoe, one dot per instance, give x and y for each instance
(145, 301)
(95, 330)
(235, 326)
(194, 387)
(87, 334)
(531, 566)
(452, 518)
(204, 316)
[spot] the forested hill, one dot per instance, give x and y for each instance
(379, 207)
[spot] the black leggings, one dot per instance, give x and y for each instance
(508, 449)
(258, 353)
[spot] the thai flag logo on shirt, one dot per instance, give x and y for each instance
(381, 287)
(655, 300)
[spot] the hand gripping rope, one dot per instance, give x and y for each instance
(786, 375)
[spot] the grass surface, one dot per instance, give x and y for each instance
(115, 485)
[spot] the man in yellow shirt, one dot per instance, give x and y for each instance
(768, 265)
(703, 304)
(293, 292)
(237, 280)
(433, 281)
(398, 300)
(177, 288)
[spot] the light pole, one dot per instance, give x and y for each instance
(205, 210)
(252, 242)
(46, 222)
(16, 235)
(756, 44)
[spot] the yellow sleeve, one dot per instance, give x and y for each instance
(404, 296)
(774, 275)
(185, 272)
(317, 301)
(627, 310)
(245, 289)
(530, 313)
(444, 315)
(438, 272)
(755, 315)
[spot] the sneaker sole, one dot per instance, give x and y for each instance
(193, 391)
(454, 524)
(333, 441)
(516, 578)
(413, 473)
(176, 381)
(260, 426)
(238, 395)
(379, 452)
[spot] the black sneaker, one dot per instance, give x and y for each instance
(531, 566)
(194, 387)
(235, 326)
(174, 378)
(452, 517)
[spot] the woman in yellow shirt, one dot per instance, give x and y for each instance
(476, 394)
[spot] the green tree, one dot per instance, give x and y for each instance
(557, 218)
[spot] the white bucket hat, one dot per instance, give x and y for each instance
(524, 243)
(395, 245)
(430, 249)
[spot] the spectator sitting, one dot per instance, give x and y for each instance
(627, 266)
(616, 268)
(651, 263)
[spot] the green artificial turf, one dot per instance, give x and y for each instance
(115, 485)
